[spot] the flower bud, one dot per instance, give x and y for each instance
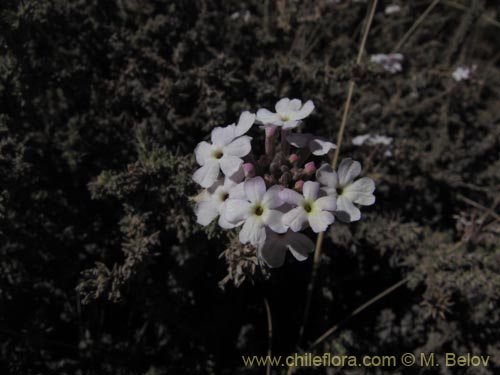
(293, 158)
(297, 173)
(298, 185)
(274, 168)
(271, 130)
(249, 170)
(310, 168)
(285, 178)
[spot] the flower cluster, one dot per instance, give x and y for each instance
(463, 73)
(392, 8)
(277, 194)
(391, 62)
(378, 142)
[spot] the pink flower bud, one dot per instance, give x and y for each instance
(310, 168)
(298, 185)
(249, 170)
(271, 130)
(293, 158)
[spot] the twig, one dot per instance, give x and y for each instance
(478, 206)
(266, 18)
(417, 23)
(485, 18)
(269, 336)
(321, 235)
(358, 310)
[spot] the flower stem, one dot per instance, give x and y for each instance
(285, 146)
(269, 335)
(358, 310)
(415, 25)
(321, 235)
(485, 18)
(270, 141)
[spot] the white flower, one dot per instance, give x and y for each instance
(360, 139)
(246, 16)
(371, 140)
(288, 113)
(212, 202)
(274, 249)
(228, 146)
(461, 74)
(391, 62)
(310, 208)
(257, 210)
(317, 145)
(347, 191)
(393, 8)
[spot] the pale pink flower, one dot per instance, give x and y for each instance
(288, 114)
(310, 208)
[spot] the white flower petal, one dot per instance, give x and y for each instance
(203, 152)
(245, 122)
(213, 188)
(320, 220)
(206, 212)
(238, 191)
(203, 196)
(283, 106)
(273, 251)
(274, 220)
(295, 104)
(320, 146)
(255, 189)
(253, 231)
(291, 197)
(392, 8)
(299, 140)
(223, 136)
(224, 223)
(238, 176)
(396, 56)
(378, 139)
(239, 147)
(305, 111)
(348, 171)
(328, 203)
(267, 117)
(360, 139)
(327, 176)
(378, 58)
(311, 190)
(295, 219)
(329, 191)
(299, 245)
(290, 124)
(207, 174)
(272, 197)
(346, 210)
(236, 210)
(361, 191)
(230, 164)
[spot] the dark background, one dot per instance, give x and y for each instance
(103, 269)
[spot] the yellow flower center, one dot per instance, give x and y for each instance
(308, 206)
(258, 210)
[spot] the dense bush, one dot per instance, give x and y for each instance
(102, 266)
